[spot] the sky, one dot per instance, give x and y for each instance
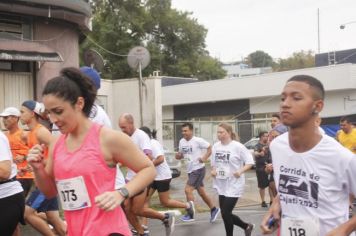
(237, 28)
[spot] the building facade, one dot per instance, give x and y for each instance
(37, 39)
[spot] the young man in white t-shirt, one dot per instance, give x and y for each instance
(195, 151)
(314, 174)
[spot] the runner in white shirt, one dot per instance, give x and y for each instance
(164, 176)
(135, 205)
(314, 174)
(195, 151)
(229, 160)
(12, 202)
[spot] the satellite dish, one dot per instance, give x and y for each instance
(138, 55)
(93, 59)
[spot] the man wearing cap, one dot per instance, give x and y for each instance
(97, 114)
(18, 144)
(31, 112)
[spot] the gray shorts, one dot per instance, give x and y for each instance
(196, 178)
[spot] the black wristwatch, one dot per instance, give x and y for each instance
(124, 192)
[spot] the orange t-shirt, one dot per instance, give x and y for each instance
(32, 138)
(19, 147)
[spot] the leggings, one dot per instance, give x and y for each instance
(227, 204)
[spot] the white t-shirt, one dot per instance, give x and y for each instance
(99, 116)
(163, 170)
(10, 188)
(143, 142)
(228, 159)
(192, 150)
(315, 183)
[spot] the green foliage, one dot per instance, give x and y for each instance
(175, 40)
(299, 60)
(259, 59)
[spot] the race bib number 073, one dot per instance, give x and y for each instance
(73, 193)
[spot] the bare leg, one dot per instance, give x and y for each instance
(136, 207)
(164, 198)
(36, 222)
(205, 197)
(132, 218)
(189, 192)
(58, 224)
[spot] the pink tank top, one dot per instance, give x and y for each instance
(87, 161)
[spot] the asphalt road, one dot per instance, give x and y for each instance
(248, 208)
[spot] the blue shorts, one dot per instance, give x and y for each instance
(40, 203)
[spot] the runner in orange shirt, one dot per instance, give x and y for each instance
(18, 145)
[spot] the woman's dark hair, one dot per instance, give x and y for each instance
(151, 134)
(147, 131)
(70, 85)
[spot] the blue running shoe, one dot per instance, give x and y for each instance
(214, 214)
(191, 209)
(187, 218)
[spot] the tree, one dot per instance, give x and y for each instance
(259, 59)
(298, 60)
(175, 40)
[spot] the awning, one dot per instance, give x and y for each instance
(18, 50)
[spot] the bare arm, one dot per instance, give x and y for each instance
(159, 160)
(345, 229)
(44, 177)
(5, 170)
(206, 156)
(179, 155)
(124, 151)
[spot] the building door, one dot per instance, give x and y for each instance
(15, 88)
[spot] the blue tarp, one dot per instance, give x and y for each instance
(331, 130)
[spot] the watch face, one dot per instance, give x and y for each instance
(124, 192)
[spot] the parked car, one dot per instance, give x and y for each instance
(250, 145)
(173, 163)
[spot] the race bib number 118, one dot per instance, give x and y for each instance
(300, 227)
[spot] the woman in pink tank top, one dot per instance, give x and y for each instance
(81, 166)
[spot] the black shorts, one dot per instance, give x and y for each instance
(40, 203)
(26, 185)
(161, 185)
(196, 178)
(12, 210)
(262, 178)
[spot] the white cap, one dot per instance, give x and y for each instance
(10, 111)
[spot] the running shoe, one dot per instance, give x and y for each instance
(168, 222)
(145, 229)
(191, 209)
(214, 214)
(249, 229)
(187, 218)
(264, 204)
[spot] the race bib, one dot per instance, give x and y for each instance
(300, 226)
(73, 193)
(222, 172)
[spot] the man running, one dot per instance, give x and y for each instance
(18, 144)
(195, 151)
(134, 206)
(37, 202)
(314, 174)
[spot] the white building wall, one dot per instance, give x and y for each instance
(123, 96)
(339, 77)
